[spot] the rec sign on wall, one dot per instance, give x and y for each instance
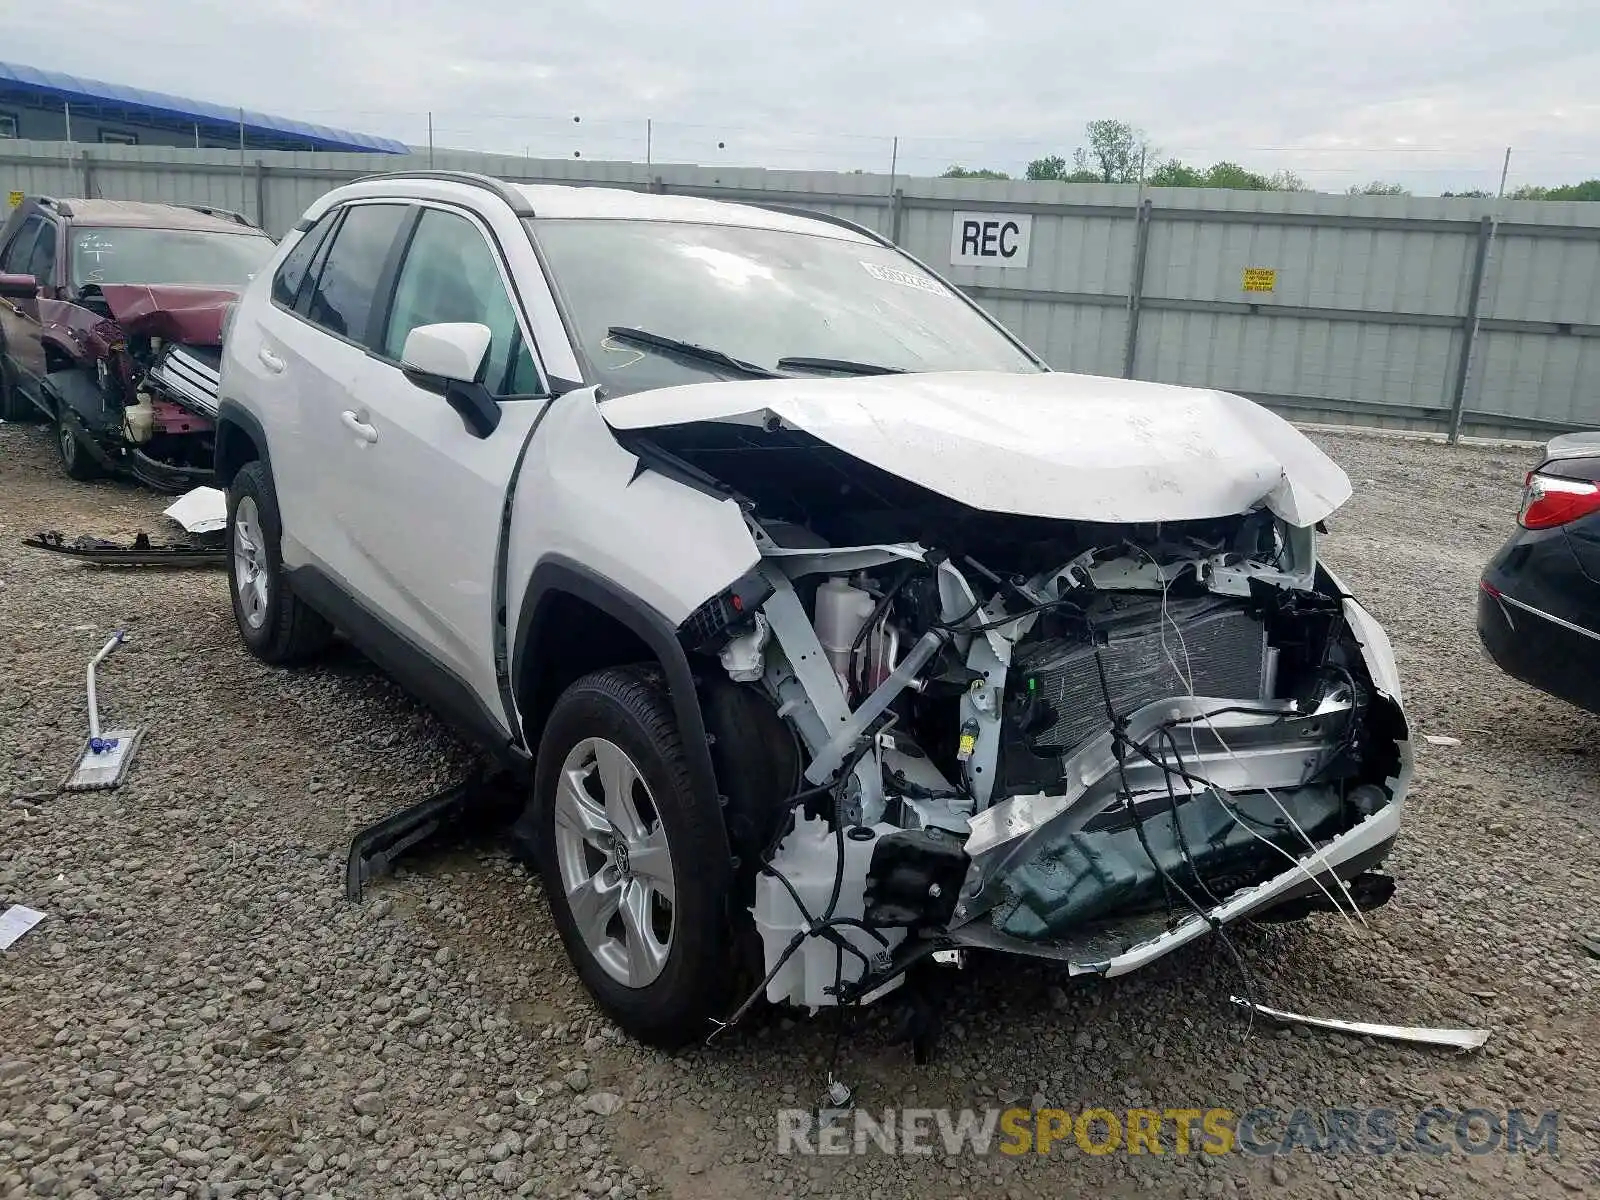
(989, 239)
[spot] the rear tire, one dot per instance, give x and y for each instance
(275, 625)
(77, 460)
(612, 905)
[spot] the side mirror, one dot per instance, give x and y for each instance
(448, 360)
(18, 287)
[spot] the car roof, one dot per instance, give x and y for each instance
(558, 202)
(145, 214)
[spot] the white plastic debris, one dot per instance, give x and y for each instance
(1439, 739)
(204, 510)
(1461, 1039)
(15, 922)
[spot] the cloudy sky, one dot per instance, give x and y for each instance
(1424, 92)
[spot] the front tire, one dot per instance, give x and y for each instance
(630, 855)
(76, 459)
(275, 625)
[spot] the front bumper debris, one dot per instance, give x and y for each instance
(203, 550)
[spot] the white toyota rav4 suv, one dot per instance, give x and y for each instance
(830, 630)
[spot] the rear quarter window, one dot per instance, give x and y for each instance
(296, 265)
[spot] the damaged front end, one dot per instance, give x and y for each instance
(1080, 739)
(144, 398)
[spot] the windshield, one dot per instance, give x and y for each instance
(822, 305)
(119, 254)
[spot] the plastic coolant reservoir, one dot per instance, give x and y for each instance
(841, 612)
(138, 420)
(809, 858)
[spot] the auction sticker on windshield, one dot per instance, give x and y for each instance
(904, 278)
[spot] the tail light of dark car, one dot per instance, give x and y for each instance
(1551, 500)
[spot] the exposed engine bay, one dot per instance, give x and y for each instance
(147, 401)
(1084, 741)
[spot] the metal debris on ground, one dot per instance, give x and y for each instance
(15, 922)
(1589, 942)
(106, 755)
(204, 550)
(837, 1103)
(1439, 739)
(1461, 1039)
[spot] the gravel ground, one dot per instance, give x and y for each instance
(203, 1014)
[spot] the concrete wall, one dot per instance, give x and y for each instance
(1385, 310)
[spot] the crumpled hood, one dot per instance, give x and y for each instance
(1069, 447)
(179, 313)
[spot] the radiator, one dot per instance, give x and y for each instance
(1228, 656)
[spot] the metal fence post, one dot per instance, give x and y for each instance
(88, 174)
(1469, 330)
(897, 208)
(1141, 246)
(261, 193)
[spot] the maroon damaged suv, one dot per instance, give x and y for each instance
(111, 317)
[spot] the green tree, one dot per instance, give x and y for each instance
(957, 171)
(1052, 166)
(1173, 173)
(1232, 175)
(1377, 188)
(1589, 189)
(1116, 152)
(1469, 194)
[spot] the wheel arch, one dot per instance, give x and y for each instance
(240, 439)
(573, 621)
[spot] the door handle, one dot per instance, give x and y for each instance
(270, 361)
(367, 433)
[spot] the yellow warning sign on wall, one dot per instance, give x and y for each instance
(1260, 279)
(14, 199)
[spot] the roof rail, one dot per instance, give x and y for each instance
(518, 202)
(225, 214)
(50, 202)
(825, 218)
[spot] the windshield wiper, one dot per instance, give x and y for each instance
(843, 365)
(656, 341)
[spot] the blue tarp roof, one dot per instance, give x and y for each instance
(57, 87)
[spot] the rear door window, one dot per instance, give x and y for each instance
(341, 300)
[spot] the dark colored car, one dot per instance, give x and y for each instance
(111, 317)
(1539, 599)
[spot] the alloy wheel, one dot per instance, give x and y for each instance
(250, 562)
(615, 864)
